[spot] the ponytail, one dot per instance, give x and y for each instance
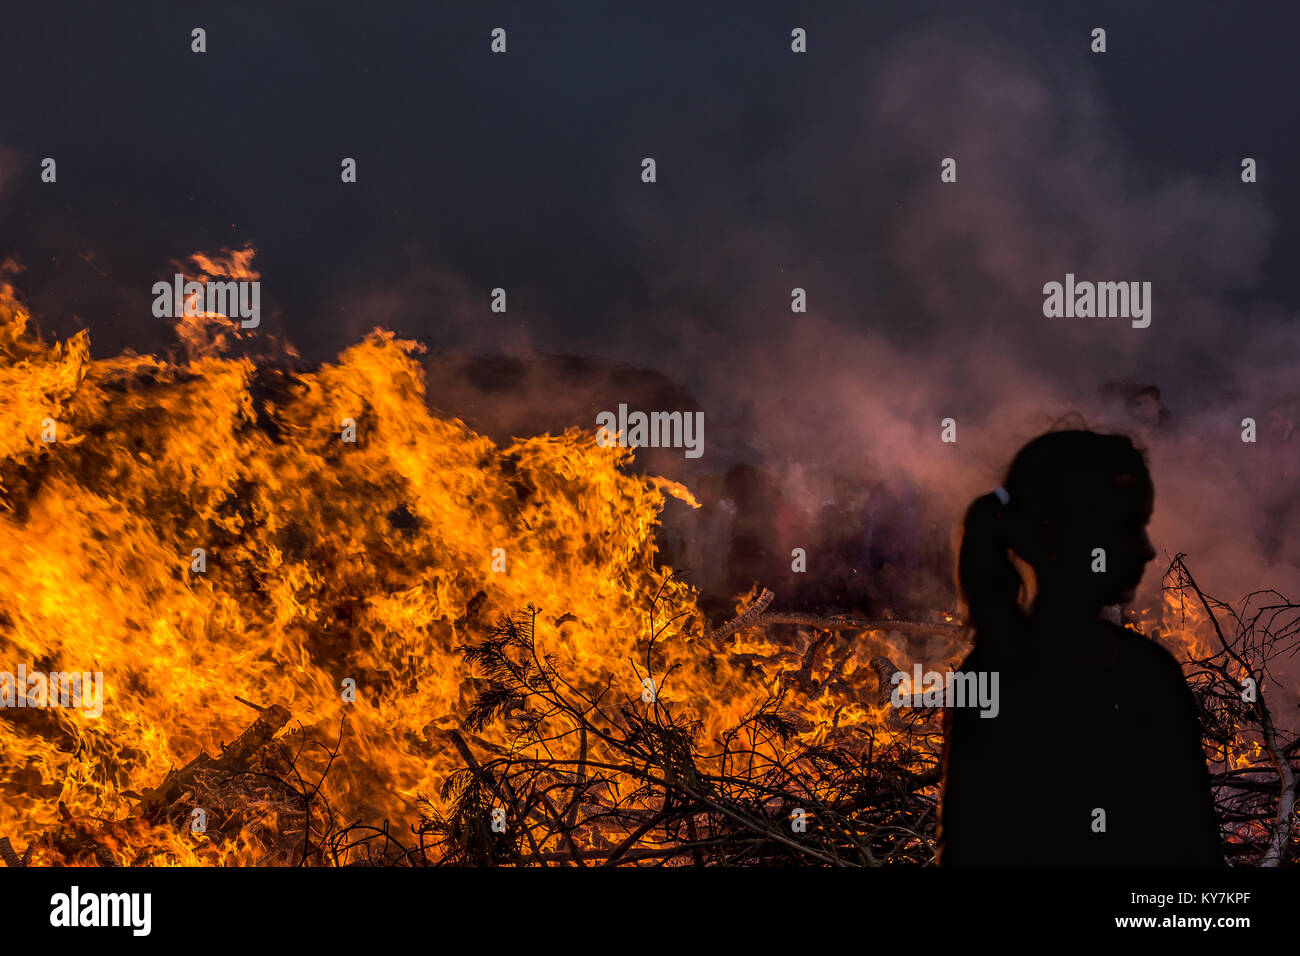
(988, 579)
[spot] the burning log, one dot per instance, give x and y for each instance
(76, 840)
(844, 623)
(746, 619)
(754, 616)
(8, 855)
(235, 758)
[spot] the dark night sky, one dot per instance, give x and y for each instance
(522, 170)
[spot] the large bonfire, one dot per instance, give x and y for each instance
(334, 628)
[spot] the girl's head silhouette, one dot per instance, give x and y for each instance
(1074, 508)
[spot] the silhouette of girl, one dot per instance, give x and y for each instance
(1095, 755)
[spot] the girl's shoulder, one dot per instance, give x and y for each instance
(1109, 645)
(1136, 652)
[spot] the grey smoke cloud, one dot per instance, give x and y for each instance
(944, 317)
(925, 298)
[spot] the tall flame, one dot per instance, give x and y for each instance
(322, 561)
(203, 533)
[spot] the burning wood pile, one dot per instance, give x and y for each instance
(336, 630)
(557, 773)
(1231, 653)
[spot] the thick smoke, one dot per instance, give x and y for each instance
(926, 302)
(944, 316)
